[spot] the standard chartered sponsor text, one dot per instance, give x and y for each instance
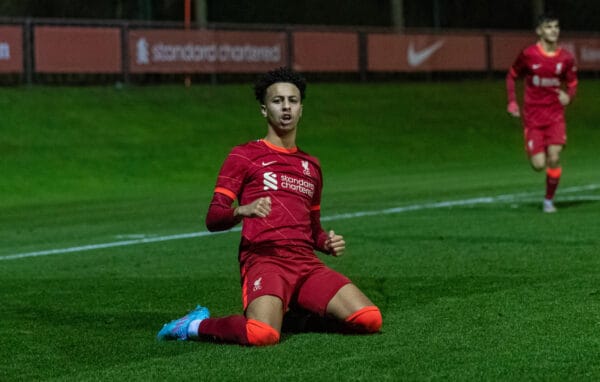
(299, 185)
(590, 54)
(215, 53)
(545, 82)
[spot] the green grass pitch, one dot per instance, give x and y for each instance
(428, 183)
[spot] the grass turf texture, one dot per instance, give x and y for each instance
(481, 291)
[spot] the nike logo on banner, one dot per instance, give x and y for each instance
(268, 163)
(416, 58)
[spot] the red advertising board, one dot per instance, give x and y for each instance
(424, 53)
(586, 50)
(506, 47)
(77, 50)
(326, 52)
(11, 49)
(180, 51)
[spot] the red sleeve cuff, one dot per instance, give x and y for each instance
(226, 192)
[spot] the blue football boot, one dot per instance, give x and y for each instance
(178, 329)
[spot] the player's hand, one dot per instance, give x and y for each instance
(261, 208)
(513, 109)
(563, 97)
(335, 244)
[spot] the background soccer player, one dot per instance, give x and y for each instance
(547, 69)
(278, 187)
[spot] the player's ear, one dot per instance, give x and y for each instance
(263, 110)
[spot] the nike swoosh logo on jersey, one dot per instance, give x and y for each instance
(536, 66)
(416, 58)
(268, 163)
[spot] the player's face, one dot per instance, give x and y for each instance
(283, 106)
(549, 31)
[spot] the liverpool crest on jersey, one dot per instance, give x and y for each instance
(305, 167)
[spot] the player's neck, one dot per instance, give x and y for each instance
(548, 47)
(287, 140)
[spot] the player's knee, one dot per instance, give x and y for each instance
(366, 320)
(538, 161)
(538, 165)
(261, 334)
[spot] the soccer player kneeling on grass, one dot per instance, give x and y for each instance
(277, 187)
(546, 68)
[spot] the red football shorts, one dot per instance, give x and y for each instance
(295, 275)
(539, 137)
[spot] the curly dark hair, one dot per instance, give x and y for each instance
(546, 18)
(282, 74)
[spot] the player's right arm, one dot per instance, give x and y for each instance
(260, 208)
(222, 215)
(513, 73)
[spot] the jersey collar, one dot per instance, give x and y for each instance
(547, 54)
(278, 148)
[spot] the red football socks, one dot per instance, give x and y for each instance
(238, 329)
(366, 320)
(261, 334)
(226, 329)
(552, 179)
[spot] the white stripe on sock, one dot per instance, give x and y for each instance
(192, 329)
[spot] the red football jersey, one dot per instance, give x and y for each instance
(544, 74)
(293, 181)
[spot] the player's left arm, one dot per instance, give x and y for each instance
(571, 81)
(326, 242)
(335, 244)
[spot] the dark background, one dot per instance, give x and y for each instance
(575, 15)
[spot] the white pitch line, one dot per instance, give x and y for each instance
(415, 207)
(121, 243)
